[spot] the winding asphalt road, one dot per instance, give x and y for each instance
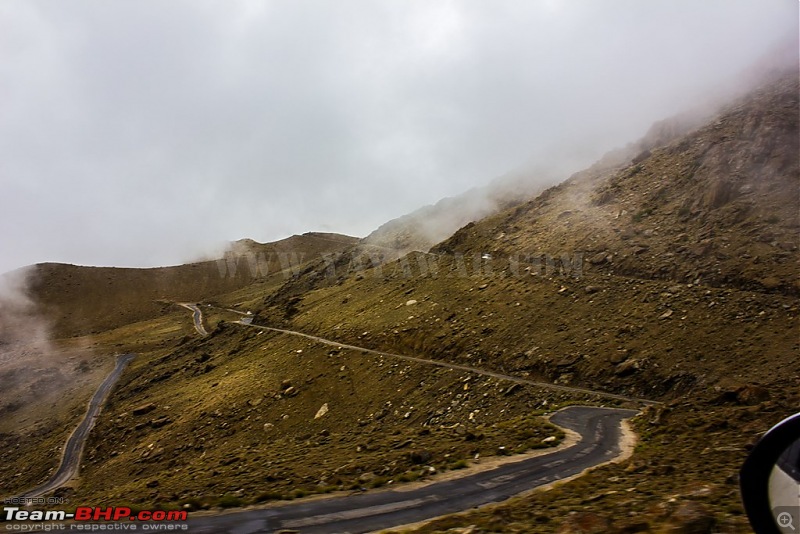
(600, 438)
(71, 457)
(600, 434)
(198, 324)
(456, 367)
(197, 317)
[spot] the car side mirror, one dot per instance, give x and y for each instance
(770, 480)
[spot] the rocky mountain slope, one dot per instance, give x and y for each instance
(423, 228)
(644, 265)
(667, 271)
(717, 207)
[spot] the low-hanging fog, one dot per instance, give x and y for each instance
(144, 133)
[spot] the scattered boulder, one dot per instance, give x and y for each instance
(160, 421)
(420, 456)
(411, 302)
(748, 395)
(599, 258)
(568, 361)
(322, 411)
(690, 517)
(367, 477)
(585, 523)
(628, 367)
(144, 409)
(719, 193)
(618, 357)
(770, 282)
(752, 394)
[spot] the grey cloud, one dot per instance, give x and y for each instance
(144, 132)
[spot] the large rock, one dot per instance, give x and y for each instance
(628, 367)
(748, 395)
(143, 409)
(160, 421)
(420, 457)
(752, 394)
(689, 517)
(600, 257)
(585, 523)
(322, 411)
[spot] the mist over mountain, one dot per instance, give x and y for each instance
(426, 226)
(264, 121)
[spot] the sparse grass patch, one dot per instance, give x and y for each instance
(378, 482)
(640, 215)
(268, 496)
(459, 464)
(229, 501)
(408, 476)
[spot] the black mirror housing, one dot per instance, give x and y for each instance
(754, 478)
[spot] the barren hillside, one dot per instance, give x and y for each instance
(83, 300)
(667, 271)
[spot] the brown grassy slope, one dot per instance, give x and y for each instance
(42, 395)
(93, 299)
(716, 207)
(687, 294)
(234, 414)
(44, 385)
(644, 338)
(303, 246)
(44, 391)
(666, 301)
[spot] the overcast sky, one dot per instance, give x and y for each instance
(141, 132)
